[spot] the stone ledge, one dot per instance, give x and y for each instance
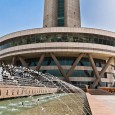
(21, 91)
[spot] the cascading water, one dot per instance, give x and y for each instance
(21, 76)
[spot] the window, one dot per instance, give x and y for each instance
(60, 19)
(58, 37)
(53, 72)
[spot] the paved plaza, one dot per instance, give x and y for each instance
(102, 105)
(108, 100)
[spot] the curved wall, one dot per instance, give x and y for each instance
(58, 37)
(57, 30)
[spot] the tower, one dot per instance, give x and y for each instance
(62, 13)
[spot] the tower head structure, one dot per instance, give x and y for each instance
(62, 13)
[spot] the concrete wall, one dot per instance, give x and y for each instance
(15, 91)
(97, 50)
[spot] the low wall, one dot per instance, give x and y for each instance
(21, 91)
(110, 89)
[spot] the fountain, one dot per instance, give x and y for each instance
(49, 96)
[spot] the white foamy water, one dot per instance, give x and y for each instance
(26, 101)
(3, 107)
(13, 109)
(1, 113)
(27, 106)
(13, 104)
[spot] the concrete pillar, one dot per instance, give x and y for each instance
(59, 67)
(13, 60)
(23, 62)
(50, 13)
(72, 13)
(40, 62)
(74, 65)
(98, 79)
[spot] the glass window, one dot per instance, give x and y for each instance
(60, 18)
(38, 38)
(58, 37)
(84, 62)
(99, 62)
(96, 40)
(53, 72)
(31, 39)
(32, 62)
(24, 41)
(82, 73)
(48, 62)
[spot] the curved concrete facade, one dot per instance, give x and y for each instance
(58, 30)
(99, 57)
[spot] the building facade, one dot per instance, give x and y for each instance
(81, 56)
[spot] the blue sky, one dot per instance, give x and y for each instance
(18, 15)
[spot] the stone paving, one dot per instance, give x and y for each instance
(102, 105)
(108, 100)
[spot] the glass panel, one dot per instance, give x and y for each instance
(48, 62)
(82, 73)
(58, 37)
(60, 13)
(53, 72)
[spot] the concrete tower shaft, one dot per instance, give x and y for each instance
(72, 13)
(50, 13)
(62, 13)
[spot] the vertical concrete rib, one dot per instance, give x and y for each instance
(23, 62)
(50, 13)
(60, 68)
(98, 77)
(95, 71)
(13, 60)
(72, 13)
(40, 62)
(74, 65)
(106, 66)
